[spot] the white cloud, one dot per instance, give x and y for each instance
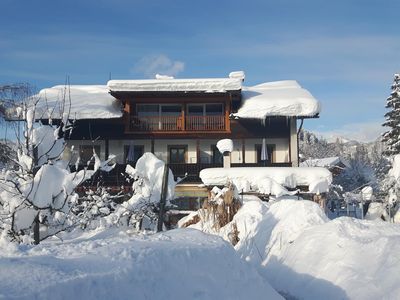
(362, 132)
(150, 65)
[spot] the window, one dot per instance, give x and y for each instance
(86, 153)
(214, 109)
(171, 110)
(177, 154)
(195, 110)
(155, 110)
(145, 110)
(270, 153)
(132, 153)
(209, 109)
(217, 157)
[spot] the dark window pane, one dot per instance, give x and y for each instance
(214, 109)
(195, 110)
(217, 157)
(133, 153)
(177, 154)
(171, 110)
(147, 110)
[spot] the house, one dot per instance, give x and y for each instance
(335, 164)
(181, 121)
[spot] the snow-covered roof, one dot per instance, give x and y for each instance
(326, 162)
(87, 102)
(314, 178)
(279, 98)
(176, 85)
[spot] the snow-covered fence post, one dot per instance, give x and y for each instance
(164, 191)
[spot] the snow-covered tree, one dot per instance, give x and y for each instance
(311, 146)
(36, 197)
(392, 136)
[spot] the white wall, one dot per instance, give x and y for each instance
(293, 143)
(116, 147)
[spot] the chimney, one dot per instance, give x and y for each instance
(227, 159)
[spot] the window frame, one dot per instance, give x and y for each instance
(185, 147)
(271, 148)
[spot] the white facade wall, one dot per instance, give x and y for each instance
(116, 147)
(293, 143)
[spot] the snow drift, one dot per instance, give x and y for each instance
(179, 264)
(304, 255)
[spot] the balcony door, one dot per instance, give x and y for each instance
(164, 117)
(207, 116)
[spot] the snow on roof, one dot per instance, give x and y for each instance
(326, 162)
(87, 102)
(279, 98)
(176, 85)
(285, 176)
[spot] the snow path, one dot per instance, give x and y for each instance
(178, 264)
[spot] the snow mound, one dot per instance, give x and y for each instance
(280, 98)
(269, 180)
(87, 102)
(306, 256)
(179, 264)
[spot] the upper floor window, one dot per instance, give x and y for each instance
(208, 109)
(155, 110)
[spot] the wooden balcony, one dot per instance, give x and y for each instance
(177, 123)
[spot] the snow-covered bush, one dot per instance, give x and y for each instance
(93, 208)
(141, 210)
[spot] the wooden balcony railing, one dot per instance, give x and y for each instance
(158, 123)
(178, 123)
(206, 123)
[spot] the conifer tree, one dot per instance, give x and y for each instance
(392, 136)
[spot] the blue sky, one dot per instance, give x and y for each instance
(344, 52)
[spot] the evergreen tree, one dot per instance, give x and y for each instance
(392, 137)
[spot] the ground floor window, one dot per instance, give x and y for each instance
(216, 156)
(86, 153)
(132, 153)
(270, 153)
(177, 154)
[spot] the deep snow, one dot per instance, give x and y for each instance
(178, 264)
(303, 254)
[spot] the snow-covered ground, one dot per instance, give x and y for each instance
(178, 264)
(306, 256)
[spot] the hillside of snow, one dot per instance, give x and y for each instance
(306, 256)
(178, 264)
